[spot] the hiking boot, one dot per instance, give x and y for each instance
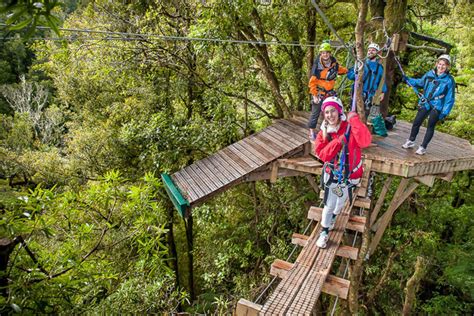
(421, 150)
(408, 144)
(322, 240)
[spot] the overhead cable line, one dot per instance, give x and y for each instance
(128, 36)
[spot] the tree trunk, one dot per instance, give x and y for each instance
(265, 63)
(359, 35)
(395, 15)
(412, 285)
(6, 247)
(386, 272)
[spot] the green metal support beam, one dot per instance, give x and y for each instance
(179, 202)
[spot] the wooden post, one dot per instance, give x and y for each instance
(379, 203)
(274, 174)
(188, 222)
(247, 308)
(312, 183)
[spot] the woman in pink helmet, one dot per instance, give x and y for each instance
(339, 144)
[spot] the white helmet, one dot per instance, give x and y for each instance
(373, 45)
(445, 57)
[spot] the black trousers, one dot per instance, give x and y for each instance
(420, 117)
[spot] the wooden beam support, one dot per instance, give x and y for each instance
(336, 286)
(280, 268)
(380, 200)
(299, 239)
(312, 183)
(305, 164)
(446, 176)
(274, 174)
(400, 196)
(347, 252)
(266, 174)
(426, 180)
(355, 223)
(247, 308)
(364, 183)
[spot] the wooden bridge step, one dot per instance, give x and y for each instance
(359, 202)
(333, 285)
(336, 286)
(343, 251)
(247, 308)
(305, 164)
(355, 223)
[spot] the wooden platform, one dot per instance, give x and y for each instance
(248, 159)
(445, 153)
(253, 158)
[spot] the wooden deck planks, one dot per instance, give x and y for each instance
(232, 163)
(446, 153)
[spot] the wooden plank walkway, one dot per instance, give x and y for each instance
(298, 291)
(231, 165)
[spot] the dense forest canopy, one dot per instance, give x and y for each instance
(109, 94)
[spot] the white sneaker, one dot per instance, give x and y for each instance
(333, 222)
(421, 150)
(322, 240)
(408, 144)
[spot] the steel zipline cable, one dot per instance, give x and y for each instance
(130, 36)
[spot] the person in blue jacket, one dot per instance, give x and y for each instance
(373, 74)
(437, 101)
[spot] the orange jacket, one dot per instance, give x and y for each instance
(318, 83)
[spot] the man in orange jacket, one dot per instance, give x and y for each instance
(321, 84)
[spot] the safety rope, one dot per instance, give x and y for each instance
(420, 95)
(326, 20)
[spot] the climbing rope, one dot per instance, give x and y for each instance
(420, 96)
(326, 20)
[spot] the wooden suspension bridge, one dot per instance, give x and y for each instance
(283, 150)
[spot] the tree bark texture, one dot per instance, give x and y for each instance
(412, 285)
(359, 35)
(395, 16)
(263, 59)
(6, 248)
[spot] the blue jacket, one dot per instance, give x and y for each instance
(373, 73)
(438, 91)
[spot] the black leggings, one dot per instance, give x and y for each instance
(420, 117)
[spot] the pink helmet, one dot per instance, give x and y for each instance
(335, 102)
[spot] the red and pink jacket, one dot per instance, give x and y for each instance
(359, 138)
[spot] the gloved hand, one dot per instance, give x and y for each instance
(405, 79)
(316, 99)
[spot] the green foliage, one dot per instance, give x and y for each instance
(79, 240)
(28, 14)
(137, 104)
